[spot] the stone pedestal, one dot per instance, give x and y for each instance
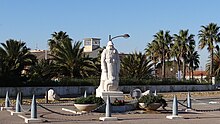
(112, 94)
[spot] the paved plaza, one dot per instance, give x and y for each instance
(210, 104)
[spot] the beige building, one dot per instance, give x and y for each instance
(91, 46)
(40, 54)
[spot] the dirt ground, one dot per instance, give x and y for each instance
(182, 95)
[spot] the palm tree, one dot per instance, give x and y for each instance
(15, 56)
(72, 61)
(152, 53)
(175, 52)
(161, 42)
(136, 65)
(57, 38)
(209, 35)
(193, 60)
(43, 71)
(216, 61)
(182, 42)
(97, 64)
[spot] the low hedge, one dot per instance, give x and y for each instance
(96, 82)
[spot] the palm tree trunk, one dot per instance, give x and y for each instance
(155, 64)
(178, 63)
(184, 69)
(189, 72)
(163, 68)
(211, 67)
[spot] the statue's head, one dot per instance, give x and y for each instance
(110, 45)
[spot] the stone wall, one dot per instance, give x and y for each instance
(79, 90)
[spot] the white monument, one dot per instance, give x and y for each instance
(110, 66)
(52, 95)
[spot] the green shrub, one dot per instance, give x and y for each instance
(80, 82)
(151, 98)
(66, 81)
(90, 100)
(157, 81)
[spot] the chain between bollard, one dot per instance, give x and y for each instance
(28, 110)
(58, 103)
(200, 110)
(59, 113)
(10, 103)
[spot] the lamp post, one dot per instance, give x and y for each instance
(124, 36)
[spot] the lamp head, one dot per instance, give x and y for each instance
(126, 35)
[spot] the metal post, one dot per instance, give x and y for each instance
(18, 107)
(109, 39)
(108, 112)
(189, 105)
(85, 94)
(174, 109)
(21, 97)
(175, 106)
(108, 107)
(33, 108)
(7, 103)
(155, 93)
(46, 97)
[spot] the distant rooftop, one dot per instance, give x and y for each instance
(92, 38)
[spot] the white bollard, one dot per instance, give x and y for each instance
(108, 116)
(174, 110)
(85, 94)
(7, 103)
(33, 113)
(18, 107)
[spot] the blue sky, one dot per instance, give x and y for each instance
(34, 21)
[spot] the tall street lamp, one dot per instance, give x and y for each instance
(124, 36)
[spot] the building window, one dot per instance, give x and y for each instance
(95, 42)
(87, 43)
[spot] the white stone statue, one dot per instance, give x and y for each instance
(52, 95)
(110, 66)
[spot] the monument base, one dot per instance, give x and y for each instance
(112, 94)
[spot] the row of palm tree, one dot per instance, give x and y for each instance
(159, 48)
(181, 47)
(69, 60)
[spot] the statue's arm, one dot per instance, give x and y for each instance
(103, 57)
